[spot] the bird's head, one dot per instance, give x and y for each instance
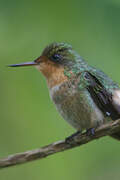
(53, 61)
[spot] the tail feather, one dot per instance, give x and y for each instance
(116, 135)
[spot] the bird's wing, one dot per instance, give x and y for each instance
(101, 95)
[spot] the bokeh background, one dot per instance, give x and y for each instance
(28, 118)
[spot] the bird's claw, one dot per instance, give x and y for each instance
(90, 132)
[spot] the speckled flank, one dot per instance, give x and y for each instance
(116, 99)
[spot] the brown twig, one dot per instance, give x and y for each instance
(59, 146)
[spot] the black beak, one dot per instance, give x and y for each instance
(23, 64)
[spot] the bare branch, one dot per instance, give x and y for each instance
(59, 146)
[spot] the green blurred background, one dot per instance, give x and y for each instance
(28, 117)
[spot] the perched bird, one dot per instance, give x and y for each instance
(83, 95)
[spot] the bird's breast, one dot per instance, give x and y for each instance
(76, 106)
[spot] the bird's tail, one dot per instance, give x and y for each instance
(116, 135)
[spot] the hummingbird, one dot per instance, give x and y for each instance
(85, 96)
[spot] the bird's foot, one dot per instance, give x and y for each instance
(70, 139)
(90, 132)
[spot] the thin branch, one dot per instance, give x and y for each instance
(59, 146)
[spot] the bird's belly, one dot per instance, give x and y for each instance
(78, 109)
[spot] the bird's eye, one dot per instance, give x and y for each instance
(56, 57)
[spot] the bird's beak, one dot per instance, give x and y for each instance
(32, 63)
(24, 64)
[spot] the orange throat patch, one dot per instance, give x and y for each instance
(53, 73)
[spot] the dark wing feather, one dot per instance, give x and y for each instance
(101, 96)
